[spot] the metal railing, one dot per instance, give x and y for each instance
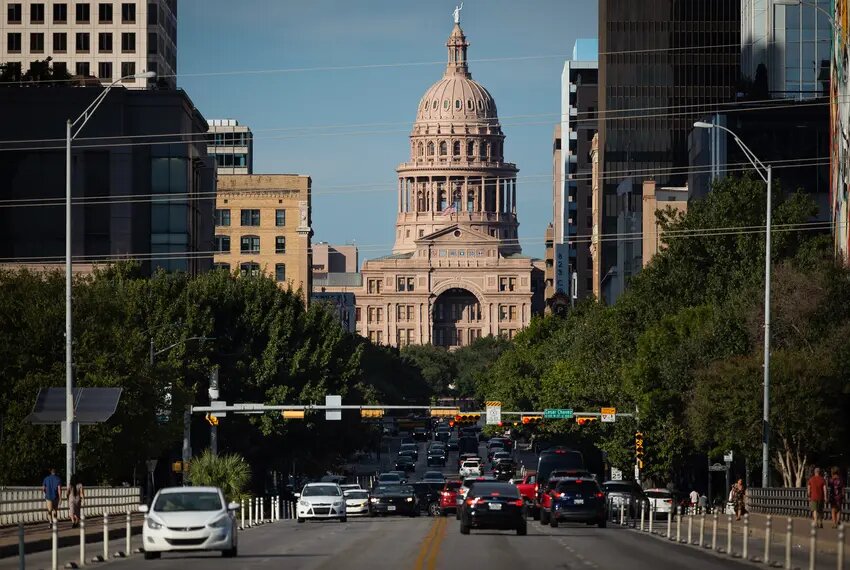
(787, 501)
(27, 505)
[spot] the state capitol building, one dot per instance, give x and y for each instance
(457, 272)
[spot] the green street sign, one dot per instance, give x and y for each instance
(557, 414)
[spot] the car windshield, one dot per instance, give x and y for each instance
(321, 491)
(488, 488)
(579, 488)
(452, 485)
(659, 494)
(389, 477)
(501, 454)
(433, 475)
(470, 464)
(188, 501)
(357, 495)
(558, 460)
(410, 446)
(618, 487)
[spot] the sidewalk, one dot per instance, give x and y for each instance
(37, 537)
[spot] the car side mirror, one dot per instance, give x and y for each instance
(143, 508)
(296, 495)
(233, 506)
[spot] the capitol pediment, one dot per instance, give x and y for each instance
(455, 234)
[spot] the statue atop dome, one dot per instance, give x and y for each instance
(456, 13)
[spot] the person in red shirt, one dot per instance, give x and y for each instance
(817, 494)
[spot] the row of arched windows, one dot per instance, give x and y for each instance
(483, 150)
(481, 104)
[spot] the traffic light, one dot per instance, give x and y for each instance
(584, 420)
(371, 413)
(639, 449)
(467, 419)
(531, 420)
(292, 414)
(212, 420)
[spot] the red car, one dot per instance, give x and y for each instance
(527, 488)
(448, 497)
(545, 500)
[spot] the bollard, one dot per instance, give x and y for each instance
(622, 512)
(839, 552)
(669, 522)
(813, 545)
(242, 514)
(690, 527)
(82, 539)
(262, 509)
(127, 538)
(702, 530)
(54, 544)
(745, 548)
(651, 515)
(21, 550)
(105, 537)
(714, 531)
(729, 535)
(641, 516)
(789, 530)
(250, 512)
(277, 507)
(678, 527)
(767, 530)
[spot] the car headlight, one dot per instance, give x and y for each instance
(409, 499)
(339, 503)
(153, 525)
(221, 522)
(374, 499)
(304, 503)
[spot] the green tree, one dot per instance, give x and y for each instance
(229, 472)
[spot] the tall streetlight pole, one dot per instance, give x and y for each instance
(766, 174)
(70, 135)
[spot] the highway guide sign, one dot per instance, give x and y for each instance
(557, 414)
(494, 412)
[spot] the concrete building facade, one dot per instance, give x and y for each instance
(658, 200)
(457, 272)
(262, 225)
(232, 146)
(106, 39)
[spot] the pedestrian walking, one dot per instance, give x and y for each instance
(694, 498)
(817, 496)
(75, 501)
(703, 504)
(737, 496)
(51, 486)
(836, 496)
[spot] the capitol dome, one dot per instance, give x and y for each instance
(456, 97)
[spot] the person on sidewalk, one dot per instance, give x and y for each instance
(817, 495)
(52, 489)
(75, 501)
(737, 496)
(836, 496)
(694, 497)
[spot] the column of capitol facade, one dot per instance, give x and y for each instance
(457, 272)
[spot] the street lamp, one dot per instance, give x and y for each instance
(153, 352)
(70, 135)
(765, 173)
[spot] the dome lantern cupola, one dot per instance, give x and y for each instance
(457, 45)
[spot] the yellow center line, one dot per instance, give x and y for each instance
(438, 540)
(426, 545)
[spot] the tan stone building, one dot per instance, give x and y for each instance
(457, 272)
(658, 200)
(262, 224)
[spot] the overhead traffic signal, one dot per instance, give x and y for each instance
(467, 419)
(371, 413)
(531, 420)
(584, 420)
(292, 414)
(212, 420)
(639, 449)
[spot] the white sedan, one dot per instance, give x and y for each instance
(189, 518)
(660, 501)
(356, 502)
(320, 501)
(470, 469)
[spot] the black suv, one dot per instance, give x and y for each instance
(493, 504)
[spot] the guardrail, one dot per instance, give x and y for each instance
(787, 501)
(26, 504)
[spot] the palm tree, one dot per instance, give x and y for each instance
(229, 472)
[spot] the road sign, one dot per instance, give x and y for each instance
(609, 415)
(557, 414)
(717, 467)
(331, 402)
(494, 412)
(727, 457)
(616, 474)
(218, 404)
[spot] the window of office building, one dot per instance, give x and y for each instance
(249, 269)
(219, 266)
(128, 13)
(83, 68)
(249, 244)
(83, 40)
(222, 244)
(104, 13)
(60, 13)
(60, 68)
(128, 68)
(37, 43)
(170, 220)
(373, 286)
(13, 42)
(507, 283)
(280, 218)
(60, 43)
(83, 13)
(404, 283)
(37, 13)
(280, 244)
(153, 42)
(104, 70)
(128, 42)
(280, 272)
(14, 13)
(222, 217)
(153, 14)
(250, 217)
(104, 43)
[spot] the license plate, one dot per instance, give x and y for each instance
(578, 501)
(391, 508)
(496, 506)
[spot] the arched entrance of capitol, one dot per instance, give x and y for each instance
(457, 318)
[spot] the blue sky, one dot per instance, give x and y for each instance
(348, 128)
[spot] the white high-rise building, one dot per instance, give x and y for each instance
(232, 145)
(106, 39)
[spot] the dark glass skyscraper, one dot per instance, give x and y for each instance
(662, 63)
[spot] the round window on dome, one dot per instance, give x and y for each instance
(445, 104)
(458, 104)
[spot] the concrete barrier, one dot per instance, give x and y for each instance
(26, 504)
